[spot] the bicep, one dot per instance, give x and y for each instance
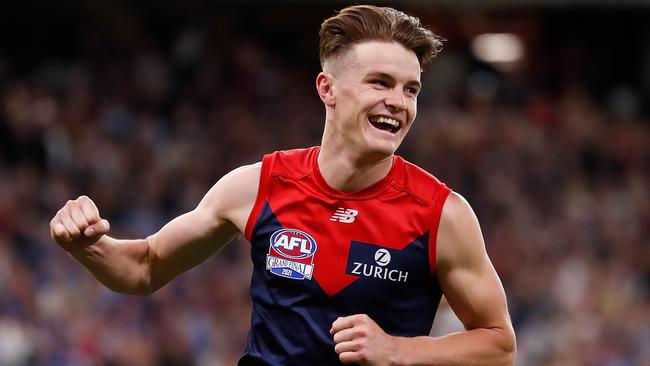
(466, 275)
(194, 236)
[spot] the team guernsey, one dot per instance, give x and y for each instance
(319, 254)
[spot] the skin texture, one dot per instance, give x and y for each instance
(371, 79)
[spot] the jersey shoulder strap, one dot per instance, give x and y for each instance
(428, 189)
(292, 164)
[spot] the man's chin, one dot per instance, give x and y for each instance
(382, 149)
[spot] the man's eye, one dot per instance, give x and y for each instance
(380, 83)
(412, 91)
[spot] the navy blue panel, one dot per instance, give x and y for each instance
(291, 318)
(394, 294)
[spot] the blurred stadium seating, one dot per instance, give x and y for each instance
(144, 106)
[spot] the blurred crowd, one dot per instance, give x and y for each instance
(559, 182)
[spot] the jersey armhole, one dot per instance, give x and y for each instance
(262, 194)
(438, 204)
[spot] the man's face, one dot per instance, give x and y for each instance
(375, 86)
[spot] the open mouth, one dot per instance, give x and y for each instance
(385, 123)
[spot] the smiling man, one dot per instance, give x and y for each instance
(352, 246)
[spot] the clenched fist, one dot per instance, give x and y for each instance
(358, 339)
(78, 224)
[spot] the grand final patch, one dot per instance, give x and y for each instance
(291, 254)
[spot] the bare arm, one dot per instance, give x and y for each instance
(145, 265)
(474, 292)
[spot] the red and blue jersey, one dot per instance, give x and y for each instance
(319, 253)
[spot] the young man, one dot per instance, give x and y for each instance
(352, 246)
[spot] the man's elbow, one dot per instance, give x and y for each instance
(140, 288)
(136, 280)
(508, 345)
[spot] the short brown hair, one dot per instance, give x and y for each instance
(360, 23)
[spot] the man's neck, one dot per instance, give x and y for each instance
(350, 172)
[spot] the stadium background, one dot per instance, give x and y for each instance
(144, 106)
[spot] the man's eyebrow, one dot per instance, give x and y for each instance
(415, 83)
(383, 75)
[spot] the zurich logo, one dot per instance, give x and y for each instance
(360, 263)
(382, 257)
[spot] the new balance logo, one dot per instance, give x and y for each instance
(345, 216)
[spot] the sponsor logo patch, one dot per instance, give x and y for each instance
(291, 254)
(369, 261)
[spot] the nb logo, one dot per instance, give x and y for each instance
(345, 216)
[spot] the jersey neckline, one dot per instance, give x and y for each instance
(370, 191)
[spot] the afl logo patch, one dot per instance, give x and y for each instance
(291, 254)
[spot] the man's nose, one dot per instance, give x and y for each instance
(396, 99)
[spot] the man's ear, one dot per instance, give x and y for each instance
(324, 87)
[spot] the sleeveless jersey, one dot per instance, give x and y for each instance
(319, 253)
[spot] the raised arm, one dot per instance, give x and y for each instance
(474, 292)
(142, 266)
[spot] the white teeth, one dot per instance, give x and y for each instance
(389, 121)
